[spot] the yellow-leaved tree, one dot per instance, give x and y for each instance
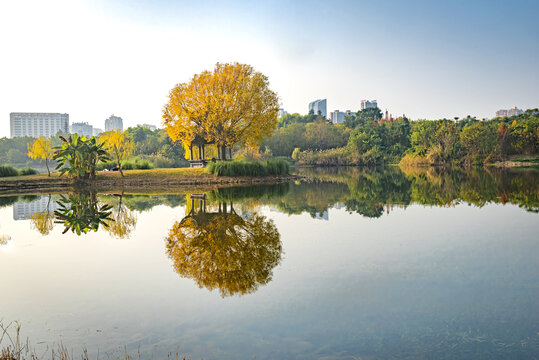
(227, 106)
(118, 145)
(41, 149)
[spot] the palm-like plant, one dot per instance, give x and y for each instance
(78, 156)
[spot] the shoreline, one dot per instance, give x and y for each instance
(155, 179)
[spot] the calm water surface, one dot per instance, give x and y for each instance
(349, 264)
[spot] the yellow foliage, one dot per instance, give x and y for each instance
(41, 149)
(119, 146)
(225, 251)
(4, 239)
(122, 222)
(42, 222)
(230, 105)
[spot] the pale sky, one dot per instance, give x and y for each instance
(425, 59)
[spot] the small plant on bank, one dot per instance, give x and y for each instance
(8, 170)
(249, 168)
(28, 171)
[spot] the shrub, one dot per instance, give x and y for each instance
(8, 170)
(28, 171)
(248, 168)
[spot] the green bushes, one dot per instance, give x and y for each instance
(137, 163)
(28, 171)
(131, 164)
(248, 168)
(8, 170)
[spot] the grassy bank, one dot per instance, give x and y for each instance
(133, 179)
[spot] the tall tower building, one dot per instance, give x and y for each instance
(319, 106)
(114, 123)
(38, 124)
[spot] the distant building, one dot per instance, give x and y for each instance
(23, 210)
(97, 131)
(114, 123)
(338, 117)
(282, 112)
(365, 104)
(82, 128)
(511, 112)
(319, 107)
(149, 126)
(38, 124)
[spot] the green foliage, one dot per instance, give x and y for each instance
(137, 163)
(81, 212)
(157, 147)
(315, 135)
(78, 156)
(363, 117)
(249, 168)
(28, 171)
(8, 170)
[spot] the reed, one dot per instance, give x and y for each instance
(249, 168)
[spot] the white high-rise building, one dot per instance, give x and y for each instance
(365, 104)
(97, 131)
(319, 106)
(511, 112)
(38, 124)
(82, 128)
(282, 112)
(338, 117)
(114, 123)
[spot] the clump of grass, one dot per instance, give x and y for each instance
(28, 171)
(137, 163)
(8, 170)
(249, 168)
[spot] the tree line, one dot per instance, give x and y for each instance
(366, 138)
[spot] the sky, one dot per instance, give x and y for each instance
(425, 59)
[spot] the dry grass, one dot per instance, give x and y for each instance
(11, 348)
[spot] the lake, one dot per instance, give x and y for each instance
(349, 263)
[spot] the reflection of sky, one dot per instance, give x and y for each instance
(347, 286)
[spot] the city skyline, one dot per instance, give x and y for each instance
(424, 60)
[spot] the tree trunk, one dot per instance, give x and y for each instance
(47, 165)
(120, 168)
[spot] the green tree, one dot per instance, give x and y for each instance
(77, 156)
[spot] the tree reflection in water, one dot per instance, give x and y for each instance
(122, 219)
(220, 249)
(81, 212)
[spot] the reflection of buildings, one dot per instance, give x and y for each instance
(322, 216)
(38, 124)
(24, 210)
(319, 106)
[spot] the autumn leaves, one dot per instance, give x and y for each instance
(227, 106)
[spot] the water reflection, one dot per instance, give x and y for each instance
(122, 220)
(221, 249)
(81, 212)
